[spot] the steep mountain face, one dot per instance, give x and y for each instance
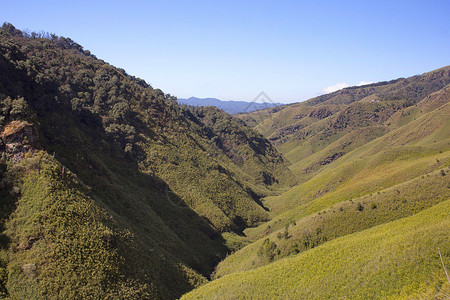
(108, 186)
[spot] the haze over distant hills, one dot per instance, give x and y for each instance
(231, 107)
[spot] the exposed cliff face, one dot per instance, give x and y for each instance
(19, 138)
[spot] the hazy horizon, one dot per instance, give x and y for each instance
(290, 50)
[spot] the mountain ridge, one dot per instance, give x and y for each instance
(229, 106)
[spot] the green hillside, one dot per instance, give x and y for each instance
(303, 129)
(412, 150)
(394, 176)
(399, 259)
(108, 186)
(372, 170)
(338, 220)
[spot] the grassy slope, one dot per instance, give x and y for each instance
(297, 116)
(409, 151)
(356, 116)
(376, 183)
(302, 129)
(344, 218)
(130, 232)
(80, 249)
(397, 259)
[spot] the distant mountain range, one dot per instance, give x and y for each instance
(231, 107)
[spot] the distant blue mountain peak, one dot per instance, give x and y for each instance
(232, 107)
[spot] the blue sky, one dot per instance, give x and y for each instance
(233, 50)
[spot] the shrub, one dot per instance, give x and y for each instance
(359, 206)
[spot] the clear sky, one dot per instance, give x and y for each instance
(233, 50)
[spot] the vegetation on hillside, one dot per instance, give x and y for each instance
(399, 259)
(396, 175)
(108, 186)
(360, 163)
(110, 189)
(303, 129)
(145, 124)
(357, 214)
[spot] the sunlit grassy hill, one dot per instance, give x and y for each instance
(391, 177)
(110, 189)
(374, 170)
(399, 259)
(303, 129)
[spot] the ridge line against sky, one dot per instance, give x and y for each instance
(291, 50)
